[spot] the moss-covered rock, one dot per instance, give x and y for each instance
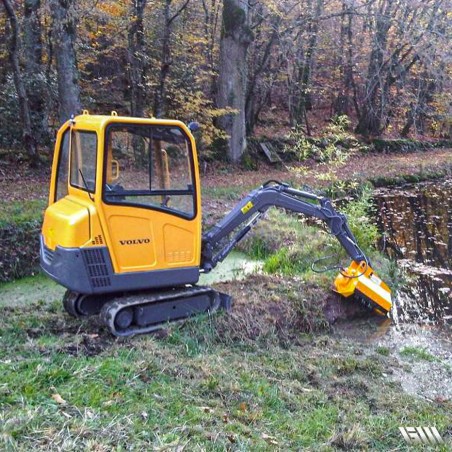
(406, 145)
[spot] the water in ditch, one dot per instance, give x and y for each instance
(417, 225)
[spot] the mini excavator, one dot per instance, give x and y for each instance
(122, 231)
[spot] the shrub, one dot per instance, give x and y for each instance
(19, 248)
(335, 145)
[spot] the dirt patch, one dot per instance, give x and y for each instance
(88, 345)
(337, 308)
(264, 306)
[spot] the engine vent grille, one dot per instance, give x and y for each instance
(48, 254)
(97, 268)
(98, 240)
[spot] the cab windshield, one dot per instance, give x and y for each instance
(149, 166)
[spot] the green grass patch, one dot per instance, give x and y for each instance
(66, 384)
(418, 353)
(232, 193)
(18, 212)
(383, 350)
(29, 290)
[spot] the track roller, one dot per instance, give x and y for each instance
(81, 305)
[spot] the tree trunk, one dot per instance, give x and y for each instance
(159, 99)
(64, 34)
(258, 93)
(304, 103)
(34, 71)
(375, 94)
(235, 39)
(342, 103)
(211, 15)
(166, 58)
(24, 107)
(417, 112)
(136, 55)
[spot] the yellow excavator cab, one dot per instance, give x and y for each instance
(115, 204)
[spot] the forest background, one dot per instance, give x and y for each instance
(239, 68)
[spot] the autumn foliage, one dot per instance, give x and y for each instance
(239, 68)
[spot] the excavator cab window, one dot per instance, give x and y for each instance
(149, 166)
(63, 167)
(83, 150)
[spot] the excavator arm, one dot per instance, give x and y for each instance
(358, 279)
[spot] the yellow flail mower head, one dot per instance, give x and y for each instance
(361, 281)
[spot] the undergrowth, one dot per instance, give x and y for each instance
(335, 145)
(292, 244)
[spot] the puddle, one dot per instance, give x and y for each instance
(40, 288)
(421, 354)
(29, 290)
(417, 222)
(235, 267)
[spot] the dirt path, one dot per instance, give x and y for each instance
(18, 182)
(357, 167)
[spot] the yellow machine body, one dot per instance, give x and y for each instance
(360, 279)
(124, 217)
(154, 227)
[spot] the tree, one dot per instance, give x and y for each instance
(34, 70)
(342, 103)
(136, 56)
(262, 69)
(24, 105)
(166, 59)
(236, 36)
(230, 64)
(305, 65)
(64, 35)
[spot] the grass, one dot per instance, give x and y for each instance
(291, 244)
(32, 289)
(66, 384)
(231, 193)
(383, 350)
(16, 212)
(418, 353)
(287, 244)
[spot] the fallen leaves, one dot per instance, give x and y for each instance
(58, 399)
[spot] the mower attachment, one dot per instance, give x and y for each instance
(360, 280)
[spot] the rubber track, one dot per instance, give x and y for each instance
(111, 309)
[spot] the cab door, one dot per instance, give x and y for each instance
(149, 197)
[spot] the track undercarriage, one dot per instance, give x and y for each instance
(144, 312)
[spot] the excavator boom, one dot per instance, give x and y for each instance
(358, 279)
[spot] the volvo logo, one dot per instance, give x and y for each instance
(134, 241)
